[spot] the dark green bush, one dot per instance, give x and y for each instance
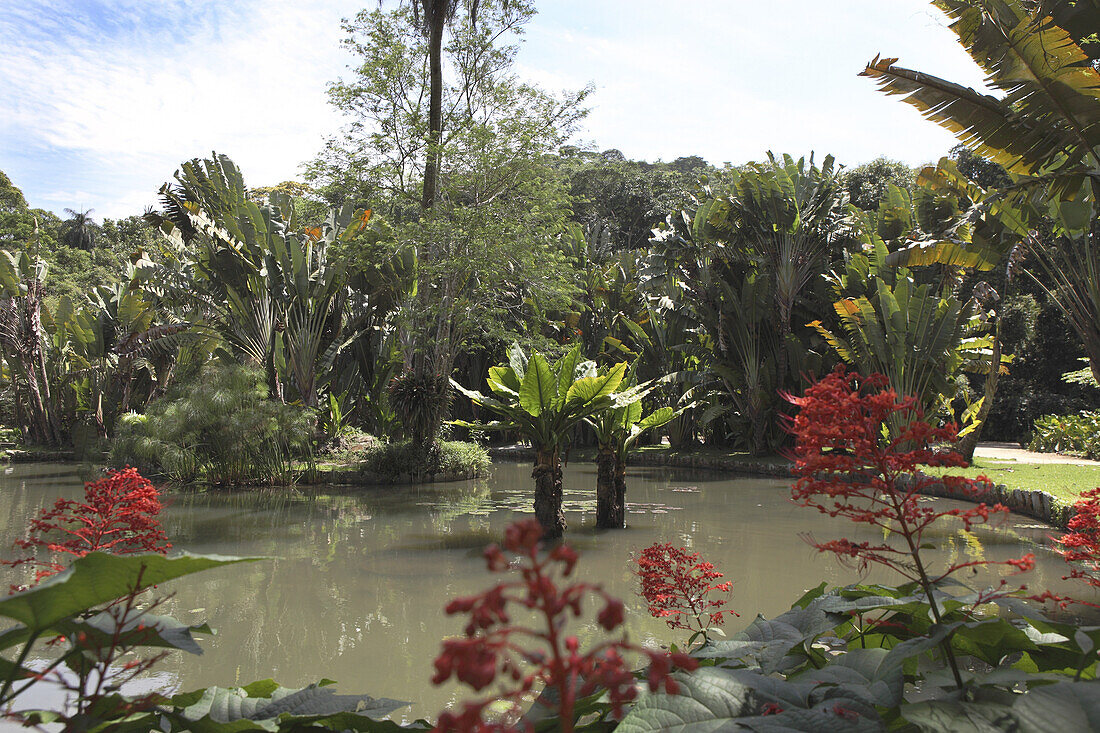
(222, 429)
(450, 456)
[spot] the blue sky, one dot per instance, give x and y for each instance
(104, 98)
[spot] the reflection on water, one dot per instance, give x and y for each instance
(357, 578)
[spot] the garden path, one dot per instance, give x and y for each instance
(1013, 452)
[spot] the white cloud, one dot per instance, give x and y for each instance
(248, 80)
(104, 98)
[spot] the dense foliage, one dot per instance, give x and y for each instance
(220, 429)
(1074, 434)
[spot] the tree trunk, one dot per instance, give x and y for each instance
(608, 512)
(435, 107)
(548, 491)
(620, 494)
(969, 442)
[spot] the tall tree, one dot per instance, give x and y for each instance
(78, 231)
(485, 244)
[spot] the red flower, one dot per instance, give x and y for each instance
(525, 658)
(1080, 546)
(677, 585)
(858, 448)
(118, 515)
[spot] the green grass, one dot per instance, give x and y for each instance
(1061, 480)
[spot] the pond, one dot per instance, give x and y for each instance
(358, 577)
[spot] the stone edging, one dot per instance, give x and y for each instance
(1035, 504)
(17, 455)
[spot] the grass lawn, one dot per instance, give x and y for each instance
(1061, 480)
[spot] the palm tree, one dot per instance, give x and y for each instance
(545, 402)
(76, 231)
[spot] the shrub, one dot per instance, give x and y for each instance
(222, 429)
(677, 586)
(1078, 434)
(450, 456)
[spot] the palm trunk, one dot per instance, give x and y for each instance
(606, 513)
(435, 107)
(548, 491)
(620, 494)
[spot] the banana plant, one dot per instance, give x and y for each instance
(984, 232)
(544, 401)
(23, 345)
(1046, 127)
(617, 431)
(1044, 130)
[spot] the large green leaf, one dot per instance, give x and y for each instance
(588, 390)
(100, 578)
(709, 700)
(265, 705)
(1066, 706)
(539, 389)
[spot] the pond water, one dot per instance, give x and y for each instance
(357, 577)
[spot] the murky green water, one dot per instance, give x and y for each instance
(358, 578)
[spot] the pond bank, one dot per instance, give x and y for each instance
(1030, 503)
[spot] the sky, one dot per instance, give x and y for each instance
(100, 100)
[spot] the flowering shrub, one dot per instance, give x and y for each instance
(118, 515)
(523, 657)
(678, 585)
(1081, 545)
(858, 446)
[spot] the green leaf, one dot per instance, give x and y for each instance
(1066, 706)
(709, 698)
(590, 389)
(517, 360)
(156, 631)
(99, 578)
(936, 716)
(539, 388)
(265, 705)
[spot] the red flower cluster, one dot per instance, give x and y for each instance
(858, 447)
(1081, 545)
(677, 585)
(541, 655)
(118, 515)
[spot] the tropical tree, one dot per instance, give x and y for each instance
(746, 260)
(255, 278)
(479, 203)
(78, 231)
(1044, 130)
(23, 344)
(544, 401)
(961, 227)
(617, 430)
(920, 333)
(431, 17)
